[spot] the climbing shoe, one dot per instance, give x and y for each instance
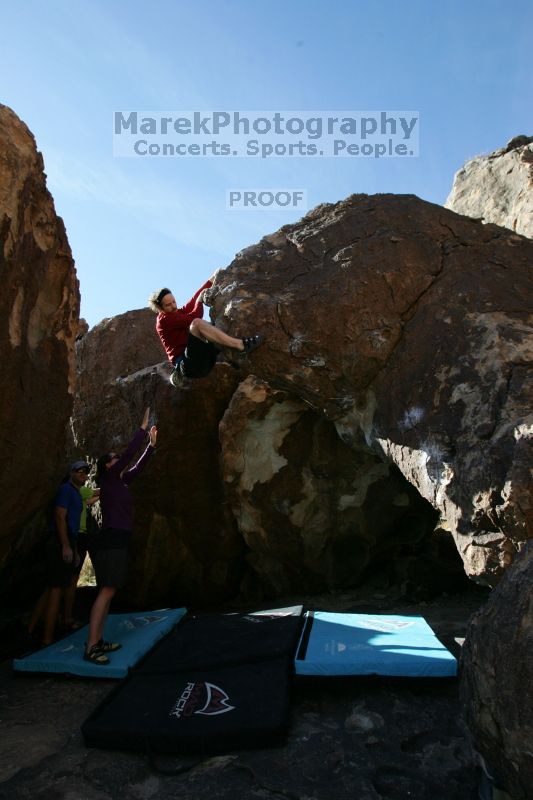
(107, 647)
(95, 656)
(176, 378)
(252, 342)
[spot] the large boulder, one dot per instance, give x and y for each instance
(498, 187)
(409, 328)
(497, 679)
(251, 491)
(314, 512)
(39, 311)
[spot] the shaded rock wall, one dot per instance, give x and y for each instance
(104, 415)
(498, 187)
(314, 513)
(117, 347)
(497, 679)
(410, 328)
(186, 547)
(39, 310)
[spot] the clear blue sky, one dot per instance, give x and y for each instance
(135, 224)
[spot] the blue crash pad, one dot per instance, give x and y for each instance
(137, 633)
(371, 644)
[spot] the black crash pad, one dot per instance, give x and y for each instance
(208, 711)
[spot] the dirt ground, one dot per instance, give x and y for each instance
(355, 739)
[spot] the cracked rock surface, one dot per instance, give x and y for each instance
(410, 328)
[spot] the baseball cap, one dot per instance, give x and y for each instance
(76, 465)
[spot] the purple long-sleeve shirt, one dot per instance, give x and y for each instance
(115, 498)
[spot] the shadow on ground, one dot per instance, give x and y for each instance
(349, 739)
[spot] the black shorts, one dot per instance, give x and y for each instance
(111, 558)
(59, 573)
(198, 359)
(111, 567)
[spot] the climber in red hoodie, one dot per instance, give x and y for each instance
(192, 344)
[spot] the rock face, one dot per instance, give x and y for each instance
(409, 328)
(497, 680)
(186, 547)
(394, 383)
(314, 513)
(39, 310)
(498, 187)
(116, 348)
(250, 492)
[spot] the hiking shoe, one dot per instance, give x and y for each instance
(252, 342)
(107, 647)
(95, 656)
